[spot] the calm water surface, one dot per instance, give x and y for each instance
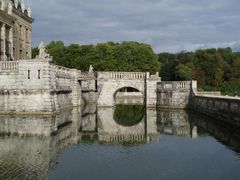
(121, 143)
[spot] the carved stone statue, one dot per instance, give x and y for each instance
(29, 11)
(10, 7)
(90, 69)
(23, 6)
(15, 3)
(43, 53)
(2, 4)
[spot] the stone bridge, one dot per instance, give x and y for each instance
(109, 83)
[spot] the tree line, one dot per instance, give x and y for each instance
(214, 69)
(125, 56)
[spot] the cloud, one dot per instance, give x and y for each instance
(168, 25)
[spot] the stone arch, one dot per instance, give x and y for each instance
(120, 88)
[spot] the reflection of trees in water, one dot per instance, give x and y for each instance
(128, 115)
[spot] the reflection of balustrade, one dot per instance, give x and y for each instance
(182, 131)
(123, 138)
(8, 65)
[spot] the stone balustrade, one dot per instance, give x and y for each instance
(123, 75)
(174, 85)
(8, 66)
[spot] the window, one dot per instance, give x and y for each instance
(39, 74)
(20, 31)
(28, 74)
(14, 52)
(20, 54)
(26, 35)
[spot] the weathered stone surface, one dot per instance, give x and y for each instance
(38, 86)
(110, 82)
(174, 94)
(222, 108)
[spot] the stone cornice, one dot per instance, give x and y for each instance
(6, 18)
(22, 15)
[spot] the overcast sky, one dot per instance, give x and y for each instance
(168, 25)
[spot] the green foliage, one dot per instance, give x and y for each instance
(183, 72)
(34, 52)
(214, 69)
(125, 56)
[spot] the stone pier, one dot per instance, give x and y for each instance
(110, 83)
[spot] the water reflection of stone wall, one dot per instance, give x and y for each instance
(89, 118)
(110, 131)
(33, 125)
(175, 122)
(31, 157)
(228, 135)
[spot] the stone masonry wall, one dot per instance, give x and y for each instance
(221, 108)
(37, 86)
(151, 89)
(26, 87)
(109, 83)
(174, 94)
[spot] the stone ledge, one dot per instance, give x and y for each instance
(29, 113)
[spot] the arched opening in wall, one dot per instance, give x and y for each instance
(128, 95)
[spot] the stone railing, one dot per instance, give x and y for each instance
(8, 66)
(122, 75)
(209, 93)
(174, 85)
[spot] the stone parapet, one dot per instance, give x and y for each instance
(31, 86)
(175, 94)
(8, 66)
(225, 109)
(122, 75)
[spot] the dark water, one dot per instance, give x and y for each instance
(124, 142)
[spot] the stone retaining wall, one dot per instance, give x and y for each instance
(30, 86)
(174, 94)
(221, 108)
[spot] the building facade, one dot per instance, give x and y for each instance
(15, 30)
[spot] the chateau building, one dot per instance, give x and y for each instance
(15, 30)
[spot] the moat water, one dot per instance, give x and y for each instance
(125, 142)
